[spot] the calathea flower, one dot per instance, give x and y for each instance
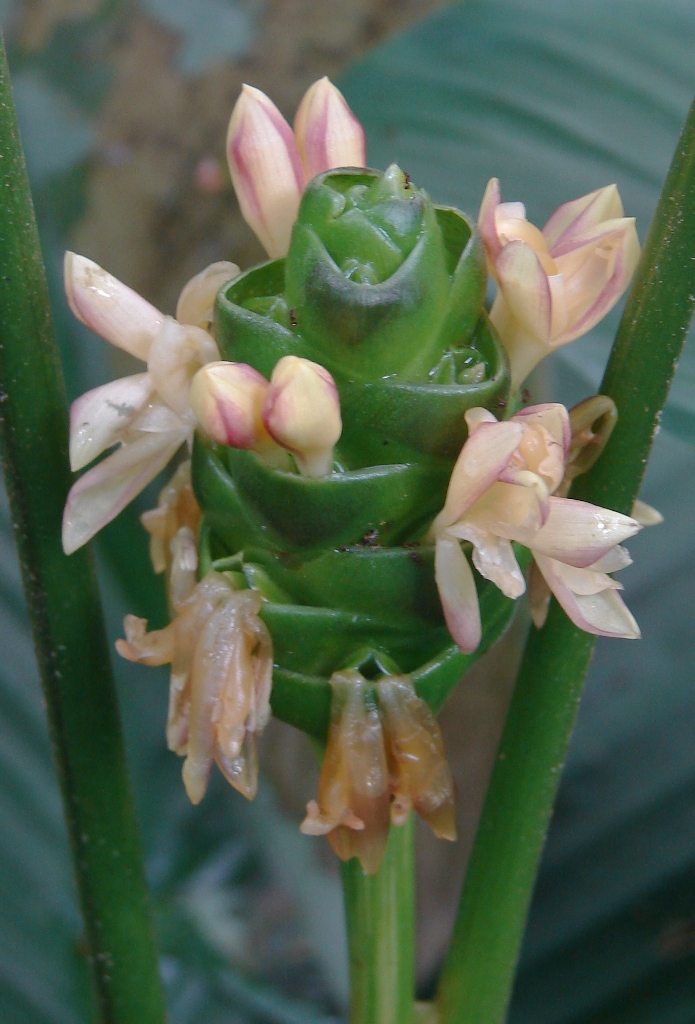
(384, 757)
(270, 164)
(148, 415)
(556, 284)
(221, 675)
(501, 490)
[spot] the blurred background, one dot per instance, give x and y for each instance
(123, 108)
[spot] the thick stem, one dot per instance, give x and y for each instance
(65, 613)
(477, 978)
(380, 917)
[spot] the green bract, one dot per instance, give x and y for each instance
(386, 291)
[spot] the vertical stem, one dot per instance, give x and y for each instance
(477, 978)
(380, 916)
(65, 613)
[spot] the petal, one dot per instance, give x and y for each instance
(105, 490)
(524, 284)
(486, 219)
(587, 304)
(197, 299)
(645, 514)
(110, 308)
(266, 169)
(99, 417)
(301, 412)
(177, 353)
(552, 416)
(604, 613)
(458, 594)
(579, 533)
(580, 215)
(585, 582)
(539, 595)
(483, 457)
(613, 561)
(327, 132)
(494, 559)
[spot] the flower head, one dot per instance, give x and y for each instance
(221, 673)
(270, 164)
(148, 415)
(556, 284)
(501, 490)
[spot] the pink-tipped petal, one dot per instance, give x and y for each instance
(579, 533)
(486, 220)
(581, 215)
(624, 259)
(266, 169)
(483, 457)
(110, 308)
(99, 417)
(227, 399)
(524, 285)
(327, 132)
(603, 613)
(301, 412)
(458, 594)
(104, 491)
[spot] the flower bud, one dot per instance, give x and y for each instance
(327, 132)
(197, 300)
(110, 308)
(301, 412)
(266, 169)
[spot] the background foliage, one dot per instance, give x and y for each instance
(555, 98)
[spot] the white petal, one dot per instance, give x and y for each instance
(581, 215)
(579, 533)
(494, 559)
(458, 594)
(177, 353)
(613, 561)
(524, 284)
(553, 416)
(99, 417)
(197, 299)
(109, 307)
(603, 614)
(585, 582)
(483, 457)
(645, 514)
(105, 490)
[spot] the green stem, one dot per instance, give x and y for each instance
(477, 978)
(380, 917)
(65, 613)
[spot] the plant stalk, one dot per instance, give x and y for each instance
(65, 613)
(477, 977)
(380, 918)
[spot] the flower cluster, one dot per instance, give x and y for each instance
(383, 758)
(501, 491)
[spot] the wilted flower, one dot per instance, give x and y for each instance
(301, 411)
(420, 777)
(501, 491)
(270, 164)
(381, 760)
(221, 674)
(173, 528)
(148, 415)
(555, 284)
(353, 798)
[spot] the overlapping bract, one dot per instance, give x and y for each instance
(383, 758)
(501, 491)
(556, 284)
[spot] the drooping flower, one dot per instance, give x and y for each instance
(420, 778)
(173, 529)
(353, 797)
(148, 415)
(270, 164)
(221, 675)
(501, 490)
(382, 760)
(556, 284)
